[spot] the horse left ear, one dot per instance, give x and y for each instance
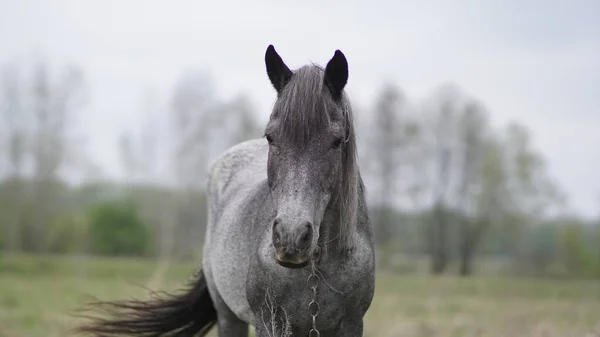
(278, 72)
(336, 74)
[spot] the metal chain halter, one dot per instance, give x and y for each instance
(313, 306)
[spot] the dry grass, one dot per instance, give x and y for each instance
(38, 295)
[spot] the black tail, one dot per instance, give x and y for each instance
(190, 313)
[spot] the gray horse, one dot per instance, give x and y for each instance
(289, 245)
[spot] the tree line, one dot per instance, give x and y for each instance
(445, 185)
(450, 185)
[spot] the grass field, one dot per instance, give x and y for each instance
(38, 295)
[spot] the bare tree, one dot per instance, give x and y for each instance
(473, 145)
(391, 157)
(194, 118)
(530, 191)
(384, 142)
(12, 126)
(53, 105)
(242, 120)
(196, 126)
(502, 177)
(442, 122)
(139, 150)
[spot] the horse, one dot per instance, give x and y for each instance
(289, 245)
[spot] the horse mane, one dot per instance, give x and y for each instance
(306, 93)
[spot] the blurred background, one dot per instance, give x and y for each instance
(478, 142)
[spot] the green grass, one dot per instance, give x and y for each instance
(38, 296)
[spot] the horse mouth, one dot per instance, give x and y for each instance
(292, 265)
(292, 262)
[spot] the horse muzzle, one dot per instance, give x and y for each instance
(293, 244)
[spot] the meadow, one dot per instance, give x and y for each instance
(40, 295)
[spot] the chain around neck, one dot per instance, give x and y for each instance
(313, 306)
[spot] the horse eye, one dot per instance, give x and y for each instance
(269, 139)
(337, 143)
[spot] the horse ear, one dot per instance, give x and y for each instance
(279, 73)
(336, 74)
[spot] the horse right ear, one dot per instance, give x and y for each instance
(336, 74)
(279, 73)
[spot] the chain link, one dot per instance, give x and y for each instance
(313, 306)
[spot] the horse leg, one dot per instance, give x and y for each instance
(228, 323)
(231, 326)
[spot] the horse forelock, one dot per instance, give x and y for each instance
(302, 106)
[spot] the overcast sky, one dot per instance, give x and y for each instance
(536, 62)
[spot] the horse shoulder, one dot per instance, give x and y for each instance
(231, 164)
(225, 179)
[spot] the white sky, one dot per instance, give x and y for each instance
(533, 61)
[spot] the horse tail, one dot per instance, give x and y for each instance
(189, 313)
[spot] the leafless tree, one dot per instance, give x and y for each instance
(13, 129)
(442, 117)
(53, 108)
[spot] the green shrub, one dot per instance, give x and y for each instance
(117, 229)
(579, 258)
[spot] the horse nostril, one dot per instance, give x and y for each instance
(305, 237)
(277, 237)
(276, 232)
